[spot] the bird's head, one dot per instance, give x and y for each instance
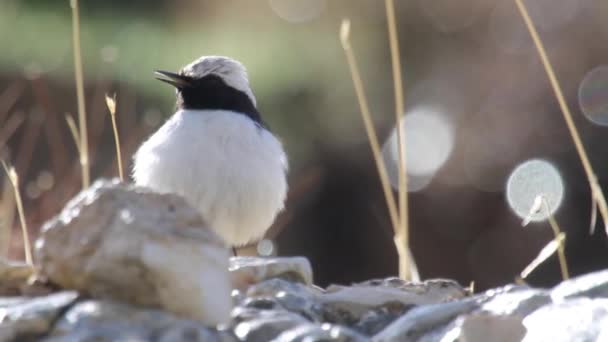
(209, 78)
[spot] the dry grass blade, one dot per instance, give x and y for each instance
(561, 247)
(111, 103)
(14, 178)
(403, 230)
(7, 217)
(74, 130)
(596, 191)
(543, 255)
(82, 117)
(593, 220)
(402, 249)
(534, 209)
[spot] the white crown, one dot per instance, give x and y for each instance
(230, 70)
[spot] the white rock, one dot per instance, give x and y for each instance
(133, 245)
(359, 298)
(252, 270)
(482, 327)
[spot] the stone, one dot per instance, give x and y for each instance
(13, 277)
(130, 244)
(374, 321)
(292, 296)
(360, 298)
(592, 285)
(323, 332)
(577, 319)
(516, 301)
(483, 327)
(24, 318)
(264, 325)
(246, 271)
(424, 318)
(103, 320)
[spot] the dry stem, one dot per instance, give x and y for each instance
(401, 231)
(111, 103)
(596, 191)
(402, 248)
(82, 118)
(14, 178)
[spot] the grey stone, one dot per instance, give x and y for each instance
(578, 319)
(374, 321)
(263, 325)
(424, 318)
(320, 333)
(127, 243)
(27, 318)
(94, 320)
(592, 285)
(483, 327)
(291, 296)
(246, 271)
(521, 302)
(353, 301)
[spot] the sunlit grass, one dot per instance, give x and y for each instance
(7, 216)
(14, 179)
(406, 266)
(596, 191)
(558, 244)
(82, 116)
(401, 231)
(111, 103)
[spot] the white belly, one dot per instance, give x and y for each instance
(223, 164)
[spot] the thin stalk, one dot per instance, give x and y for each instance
(111, 103)
(561, 248)
(74, 130)
(402, 234)
(82, 117)
(402, 248)
(596, 191)
(14, 178)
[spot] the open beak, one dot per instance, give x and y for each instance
(176, 80)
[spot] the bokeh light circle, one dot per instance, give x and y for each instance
(593, 95)
(429, 141)
(265, 248)
(297, 11)
(530, 179)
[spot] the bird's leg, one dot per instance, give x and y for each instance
(234, 251)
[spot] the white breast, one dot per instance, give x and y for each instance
(224, 164)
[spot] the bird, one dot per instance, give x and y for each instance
(217, 152)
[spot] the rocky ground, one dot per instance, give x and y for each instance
(121, 263)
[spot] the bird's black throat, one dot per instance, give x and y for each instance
(212, 93)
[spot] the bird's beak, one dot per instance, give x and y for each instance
(176, 80)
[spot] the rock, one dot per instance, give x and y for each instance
(323, 332)
(483, 327)
(13, 277)
(360, 298)
(295, 297)
(579, 319)
(94, 320)
(251, 270)
(263, 325)
(374, 321)
(24, 318)
(130, 244)
(515, 301)
(592, 285)
(425, 318)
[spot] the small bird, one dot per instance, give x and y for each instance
(217, 152)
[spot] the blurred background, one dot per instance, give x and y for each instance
(484, 132)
